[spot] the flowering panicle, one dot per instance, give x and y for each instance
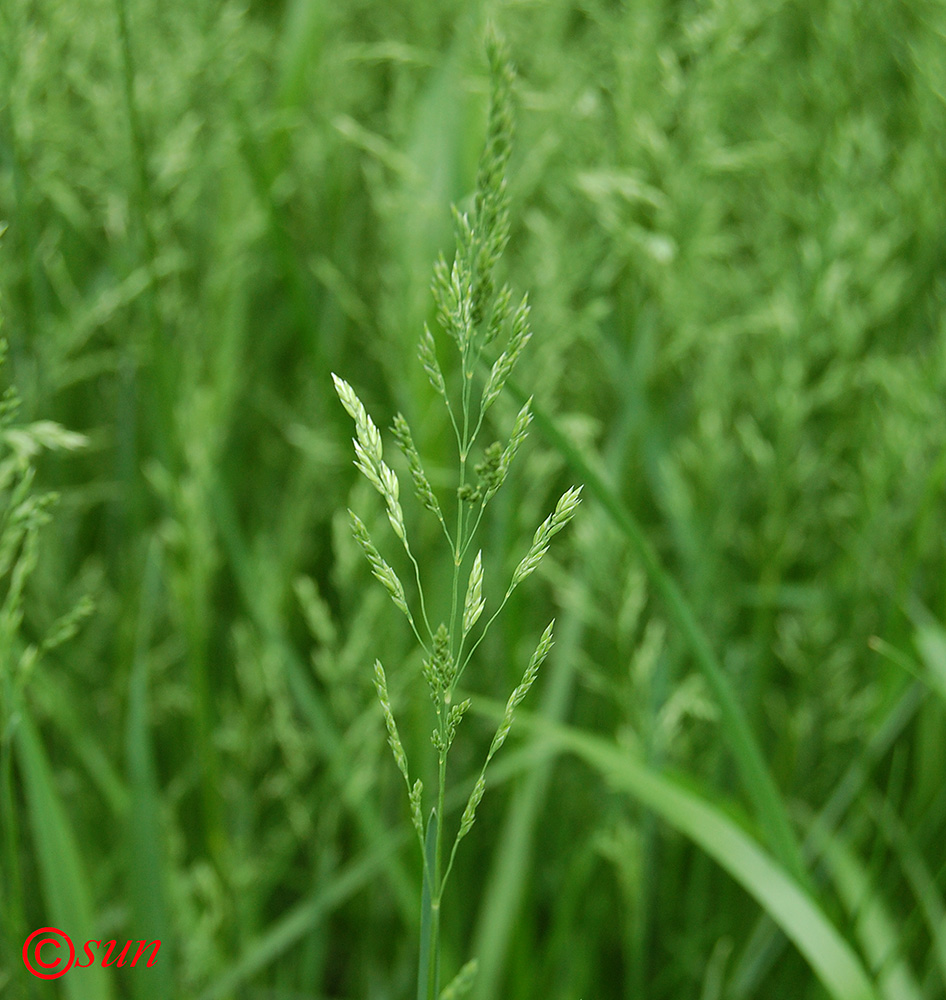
(474, 314)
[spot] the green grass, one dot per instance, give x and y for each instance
(729, 778)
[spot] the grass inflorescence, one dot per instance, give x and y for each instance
(474, 314)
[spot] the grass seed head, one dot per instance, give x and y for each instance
(368, 435)
(381, 570)
(565, 510)
(428, 357)
(499, 314)
(517, 696)
(519, 434)
(422, 488)
(394, 739)
(474, 603)
(491, 203)
(473, 314)
(504, 364)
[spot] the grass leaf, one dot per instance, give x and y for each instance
(786, 901)
(66, 892)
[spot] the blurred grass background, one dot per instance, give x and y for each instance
(730, 219)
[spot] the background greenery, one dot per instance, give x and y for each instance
(729, 216)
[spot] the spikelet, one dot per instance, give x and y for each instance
(369, 457)
(422, 488)
(474, 603)
(428, 357)
(564, 511)
(515, 699)
(517, 696)
(519, 432)
(504, 364)
(394, 739)
(397, 748)
(381, 570)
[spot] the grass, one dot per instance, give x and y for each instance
(474, 313)
(727, 780)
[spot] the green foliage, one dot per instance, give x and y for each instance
(24, 512)
(728, 780)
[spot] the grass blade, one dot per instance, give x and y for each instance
(66, 893)
(787, 902)
(765, 942)
(921, 880)
(873, 925)
(147, 863)
(930, 639)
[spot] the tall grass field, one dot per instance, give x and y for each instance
(684, 262)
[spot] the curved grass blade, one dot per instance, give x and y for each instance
(765, 942)
(147, 861)
(787, 902)
(66, 893)
(921, 880)
(873, 924)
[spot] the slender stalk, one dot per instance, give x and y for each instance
(457, 562)
(423, 605)
(427, 947)
(434, 991)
